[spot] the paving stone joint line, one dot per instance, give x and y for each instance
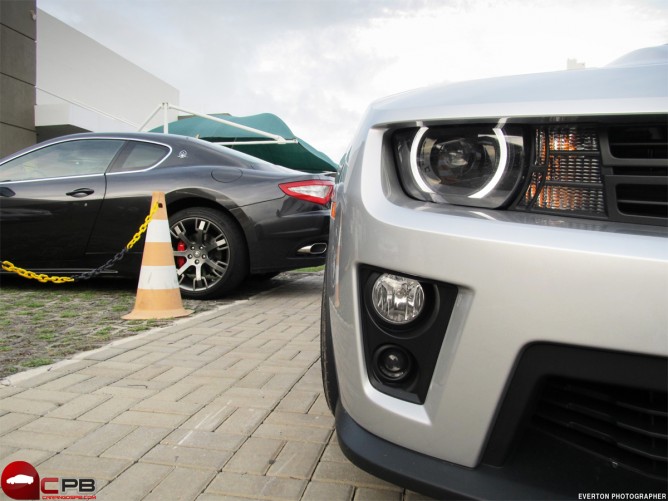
(210, 407)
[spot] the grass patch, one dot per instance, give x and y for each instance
(104, 332)
(139, 328)
(37, 362)
(43, 323)
(31, 303)
(311, 269)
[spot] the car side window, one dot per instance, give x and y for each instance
(66, 159)
(141, 156)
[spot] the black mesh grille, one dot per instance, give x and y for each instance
(627, 427)
(643, 200)
(638, 174)
(638, 142)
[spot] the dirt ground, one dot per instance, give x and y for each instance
(43, 323)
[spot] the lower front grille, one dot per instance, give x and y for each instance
(626, 427)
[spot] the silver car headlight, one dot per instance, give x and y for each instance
(479, 166)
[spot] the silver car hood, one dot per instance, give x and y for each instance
(621, 88)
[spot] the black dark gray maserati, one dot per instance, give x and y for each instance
(70, 204)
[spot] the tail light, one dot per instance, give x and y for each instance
(316, 191)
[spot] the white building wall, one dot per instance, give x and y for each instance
(83, 85)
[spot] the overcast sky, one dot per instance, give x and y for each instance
(319, 63)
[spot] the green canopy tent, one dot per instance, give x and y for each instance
(263, 136)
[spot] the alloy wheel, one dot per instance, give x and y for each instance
(202, 253)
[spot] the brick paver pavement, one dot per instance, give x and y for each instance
(224, 405)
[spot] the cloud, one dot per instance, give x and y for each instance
(319, 63)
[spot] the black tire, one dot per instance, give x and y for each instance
(330, 382)
(215, 258)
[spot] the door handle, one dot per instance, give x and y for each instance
(6, 192)
(80, 193)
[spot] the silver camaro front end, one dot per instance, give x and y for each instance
(495, 310)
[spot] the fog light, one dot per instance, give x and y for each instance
(398, 300)
(393, 363)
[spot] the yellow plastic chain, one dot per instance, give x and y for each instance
(41, 277)
(143, 227)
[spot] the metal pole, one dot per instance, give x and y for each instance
(165, 118)
(87, 107)
(277, 138)
(247, 143)
(150, 118)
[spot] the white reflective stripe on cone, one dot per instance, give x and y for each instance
(158, 231)
(158, 277)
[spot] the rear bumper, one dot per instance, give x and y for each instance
(276, 231)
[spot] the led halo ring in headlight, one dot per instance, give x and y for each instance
(477, 165)
(501, 167)
(415, 170)
(397, 299)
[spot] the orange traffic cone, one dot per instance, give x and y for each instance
(158, 294)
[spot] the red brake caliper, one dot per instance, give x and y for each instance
(180, 261)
